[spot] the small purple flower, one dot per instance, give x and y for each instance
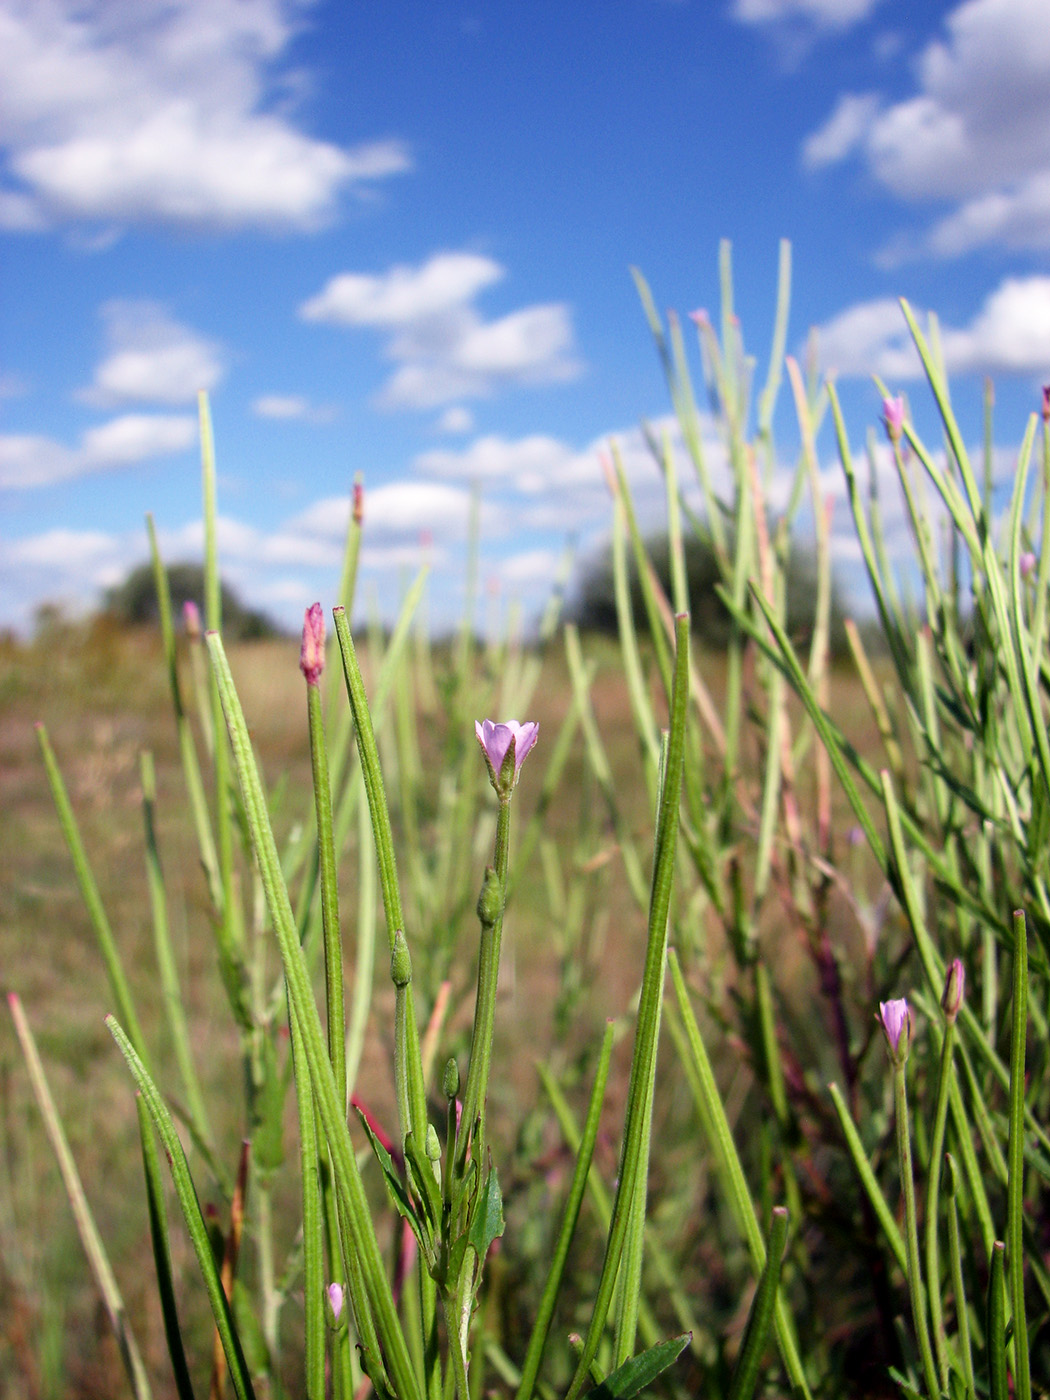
(311, 657)
(896, 1022)
(893, 417)
(1027, 563)
(335, 1299)
(505, 747)
(1046, 403)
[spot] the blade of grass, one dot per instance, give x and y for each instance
(85, 1221)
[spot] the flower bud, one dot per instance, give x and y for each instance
(954, 989)
(893, 417)
(400, 961)
(450, 1080)
(433, 1145)
(335, 1299)
(191, 619)
(896, 1022)
(490, 900)
(311, 655)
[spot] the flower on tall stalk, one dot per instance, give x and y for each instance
(505, 746)
(1046, 403)
(896, 1022)
(893, 417)
(311, 657)
(1027, 563)
(335, 1299)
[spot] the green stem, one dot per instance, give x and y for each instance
(1015, 1157)
(911, 1233)
(485, 1005)
(933, 1184)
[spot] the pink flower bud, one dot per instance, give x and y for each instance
(359, 502)
(311, 657)
(191, 618)
(954, 989)
(893, 417)
(335, 1299)
(896, 1022)
(1046, 403)
(505, 747)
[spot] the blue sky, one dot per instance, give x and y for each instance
(395, 239)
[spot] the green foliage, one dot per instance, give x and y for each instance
(794, 843)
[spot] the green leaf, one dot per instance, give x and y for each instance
(634, 1375)
(487, 1222)
(253, 1343)
(398, 1194)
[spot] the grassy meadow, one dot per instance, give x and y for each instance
(732, 1082)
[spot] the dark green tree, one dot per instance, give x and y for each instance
(134, 602)
(593, 608)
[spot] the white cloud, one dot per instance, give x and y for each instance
(443, 349)
(975, 131)
(404, 296)
(821, 14)
(290, 407)
(30, 460)
(152, 358)
(399, 511)
(844, 130)
(456, 419)
(1010, 334)
(163, 112)
(528, 465)
(281, 406)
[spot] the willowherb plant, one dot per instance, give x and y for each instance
(758, 1164)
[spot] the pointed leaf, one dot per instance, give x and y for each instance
(634, 1375)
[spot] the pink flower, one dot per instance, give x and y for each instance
(505, 747)
(335, 1299)
(896, 1022)
(893, 417)
(1046, 403)
(311, 657)
(1027, 563)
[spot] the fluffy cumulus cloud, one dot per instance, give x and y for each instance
(28, 460)
(152, 359)
(975, 132)
(1010, 334)
(163, 111)
(443, 348)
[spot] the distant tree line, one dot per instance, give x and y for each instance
(133, 602)
(593, 606)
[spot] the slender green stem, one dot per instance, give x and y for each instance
(333, 947)
(1015, 1155)
(485, 1006)
(962, 1311)
(932, 1213)
(998, 1387)
(911, 1232)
